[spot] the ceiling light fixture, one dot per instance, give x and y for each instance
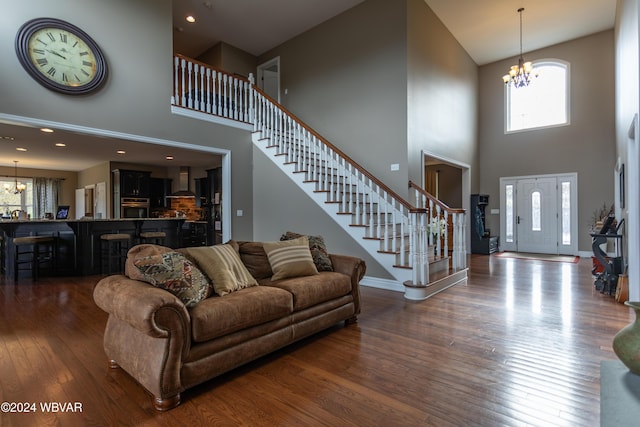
(46, 130)
(19, 187)
(520, 75)
(190, 18)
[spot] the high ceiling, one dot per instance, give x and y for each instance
(488, 30)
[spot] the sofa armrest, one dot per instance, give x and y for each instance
(153, 311)
(353, 267)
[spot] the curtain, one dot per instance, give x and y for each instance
(46, 191)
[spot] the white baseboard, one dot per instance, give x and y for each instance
(387, 284)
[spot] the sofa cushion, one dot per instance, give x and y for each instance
(311, 290)
(219, 316)
(290, 258)
(318, 250)
(224, 267)
(254, 258)
(173, 272)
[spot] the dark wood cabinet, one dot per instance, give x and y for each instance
(194, 233)
(160, 188)
(482, 242)
(209, 198)
(133, 183)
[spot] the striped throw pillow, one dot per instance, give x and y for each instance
(290, 258)
(223, 266)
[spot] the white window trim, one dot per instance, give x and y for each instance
(537, 63)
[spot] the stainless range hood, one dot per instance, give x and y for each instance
(183, 184)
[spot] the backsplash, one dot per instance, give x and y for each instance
(186, 206)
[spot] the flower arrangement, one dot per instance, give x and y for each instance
(437, 226)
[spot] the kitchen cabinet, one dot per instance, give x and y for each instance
(160, 189)
(132, 183)
(209, 198)
(194, 233)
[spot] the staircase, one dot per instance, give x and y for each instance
(410, 240)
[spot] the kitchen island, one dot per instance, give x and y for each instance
(78, 241)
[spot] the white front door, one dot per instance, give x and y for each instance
(536, 215)
(539, 214)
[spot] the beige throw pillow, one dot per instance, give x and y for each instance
(290, 258)
(223, 266)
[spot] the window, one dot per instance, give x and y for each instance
(565, 197)
(10, 201)
(509, 212)
(536, 209)
(544, 103)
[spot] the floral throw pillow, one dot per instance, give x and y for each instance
(318, 250)
(173, 272)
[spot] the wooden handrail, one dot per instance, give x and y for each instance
(433, 199)
(366, 173)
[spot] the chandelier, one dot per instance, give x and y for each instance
(520, 75)
(19, 187)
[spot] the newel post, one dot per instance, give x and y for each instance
(418, 247)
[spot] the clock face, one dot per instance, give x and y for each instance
(60, 56)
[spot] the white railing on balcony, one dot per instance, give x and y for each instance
(402, 228)
(203, 88)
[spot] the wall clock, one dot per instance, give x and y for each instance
(60, 56)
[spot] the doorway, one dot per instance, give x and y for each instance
(269, 78)
(539, 214)
(450, 182)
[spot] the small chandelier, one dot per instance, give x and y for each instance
(19, 187)
(520, 75)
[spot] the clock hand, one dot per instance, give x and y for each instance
(56, 53)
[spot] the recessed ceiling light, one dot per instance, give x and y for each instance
(46, 130)
(7, 138)
(21, 149)
(60, 144)
(121, 152)
(169, 157)
(190, 19)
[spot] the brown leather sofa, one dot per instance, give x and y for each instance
(168, 348)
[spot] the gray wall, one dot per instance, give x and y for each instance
(136, 98)
(587, 146)
(442, 94)
(347, 79)
(628, 105)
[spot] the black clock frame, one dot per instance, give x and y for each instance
(22, 51)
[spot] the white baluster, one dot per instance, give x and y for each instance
(236, 100)
(182, 74)
(189, 88)
(176, 87)
(446, 233)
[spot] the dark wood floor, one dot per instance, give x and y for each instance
(519, 345)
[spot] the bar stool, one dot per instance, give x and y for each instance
(39, 250)
(114, 248)
(155, 237)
